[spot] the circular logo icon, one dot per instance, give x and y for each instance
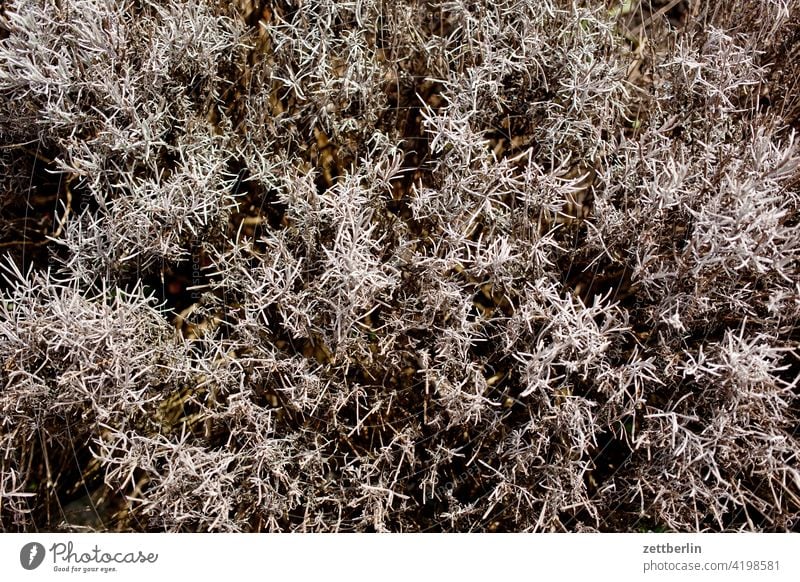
(31, 555)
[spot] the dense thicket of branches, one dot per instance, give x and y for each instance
(518, 265)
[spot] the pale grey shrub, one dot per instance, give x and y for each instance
(327, 266)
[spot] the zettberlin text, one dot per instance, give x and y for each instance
(671, 549)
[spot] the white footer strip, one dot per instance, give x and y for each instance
(404, 557)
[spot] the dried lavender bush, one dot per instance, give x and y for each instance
(412, 266)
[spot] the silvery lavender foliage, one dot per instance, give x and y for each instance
(414, 266)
